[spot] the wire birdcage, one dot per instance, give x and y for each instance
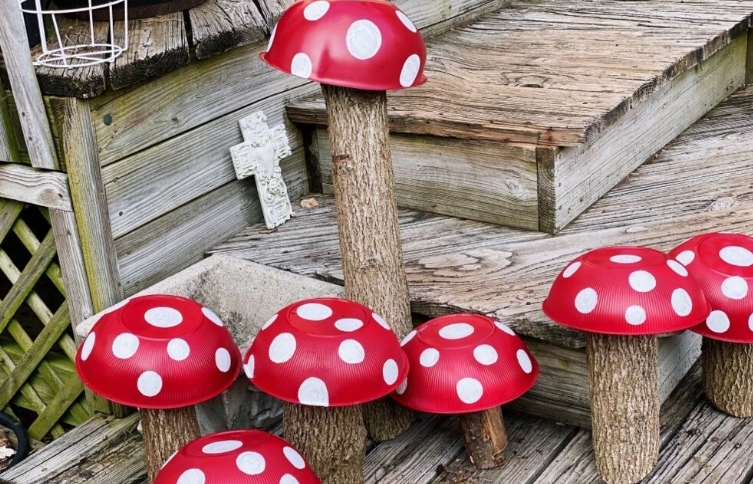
(55, 49)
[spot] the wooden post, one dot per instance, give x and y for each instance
(485, 437)
(624, 405)
(370, 244)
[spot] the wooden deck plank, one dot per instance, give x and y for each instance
(219, 25)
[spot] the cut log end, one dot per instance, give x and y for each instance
(728, 376)
(485, 437)
(166, 431)
(625, 403)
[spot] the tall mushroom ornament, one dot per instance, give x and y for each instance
(623, 297)
(358, 50)
(162, 354)
(722, 263)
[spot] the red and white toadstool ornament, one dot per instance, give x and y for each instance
(325, 356)
(468, 364)
(357, 50)
(722, 263)
(237, 457)
(162, 354)
(622, 297)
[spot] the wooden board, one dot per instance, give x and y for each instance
(157, 45)
(478, 180)
(219, 25)
(45, 188)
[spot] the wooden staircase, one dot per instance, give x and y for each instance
(534, 112)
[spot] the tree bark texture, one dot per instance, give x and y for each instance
(485, 437)
(622, 371)
(366, 206)
(331, 439)
(166, 431)
(728, 376)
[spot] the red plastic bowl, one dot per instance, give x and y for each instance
(237, 457)
(722, 263)
(367, 44)
(158, 352)
(326, 352)
(465, 363)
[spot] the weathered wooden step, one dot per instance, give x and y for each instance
(699, 183)
(534, 112)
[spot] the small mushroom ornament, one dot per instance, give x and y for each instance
(162, 354)
(468, 364)
(237, 457)
(357, 50)
(324, 357)
(623, 297)
(722, 263)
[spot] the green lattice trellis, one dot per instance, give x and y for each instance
(38, 381)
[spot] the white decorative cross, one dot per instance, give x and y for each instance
(259, 155)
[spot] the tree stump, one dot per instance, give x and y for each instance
(166, 431)
(727, 374)
(485, 437)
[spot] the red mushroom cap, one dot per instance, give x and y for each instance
(158, 352)
(626, 291)
(464, 363)
(367, 44)
(723, 266)
(237, 457)
(326, 352)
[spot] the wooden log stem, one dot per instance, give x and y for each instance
(485, 437)
(331, 439)
(728, 376)
(622, 371)
(166, 431)
(366, 207)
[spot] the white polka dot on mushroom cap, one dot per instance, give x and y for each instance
(315, 10)
(682, 305)
(642, 281)
(524, 361)
(737, 256)
(163, 317)
(456, 331)
(735, 287)
(178, 349)
(288, 479)
(272, 38)
(222, 447)
(314, 311)
(251, 463)
(586, 300)
(282, 348)
(408, 338)
(678, 268)
(149, 383)
(125, 345)
(351, 351)
(406, 21)
(222, 360)
(410, 70)
(750, 322)
(382, 322)
(390, 371)
(505, 328)
(210, 315)
(429, 357)
(269, 322)
(348, 325)
(249, 367)
(635, 315)
(718, 322)
(192, 476)
(295, 459)
(88, 346)
(685, 257)
(301, 65)
(402, 387)
(485, 354)
(625, 259)
(363, 39)
(571, 269)
(313, 391)
(469, 390)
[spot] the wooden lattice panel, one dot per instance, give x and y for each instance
(38, 381)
